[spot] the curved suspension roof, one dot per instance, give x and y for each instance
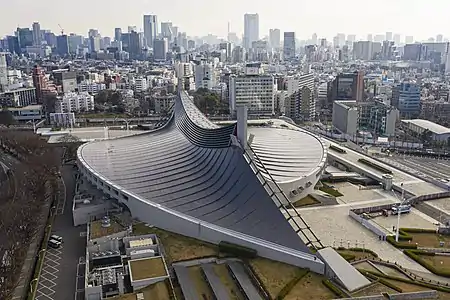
(189, 166)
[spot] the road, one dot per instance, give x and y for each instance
(58, 280)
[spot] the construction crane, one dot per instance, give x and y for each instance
(62, 29)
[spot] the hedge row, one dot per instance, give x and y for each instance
(288, 287)
(348, 256)
(337, 291)
(409, 281)
(359, 250)
(417, 230)
(391, 240)
(374, 166)
(416, 256)
(337, 149)
(390, 285)
(237, 250)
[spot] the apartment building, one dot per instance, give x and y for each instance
(75, 102)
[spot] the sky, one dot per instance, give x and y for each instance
(422, 19)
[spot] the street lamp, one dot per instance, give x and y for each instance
(126, 122)
(33, 123)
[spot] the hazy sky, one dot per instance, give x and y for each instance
(419, 18)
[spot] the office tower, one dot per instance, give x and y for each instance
(13, 44)
(412, 52)
(39, 83)
(406, 98)
(37, 37)
(275, 38)
(388, 36)
(370, 37)
(94, 44)
(93, 32)
(251, 29)
(150, 29)
(379, 38)
(160, 49)
(134, 46)
(132, 28)
(50, 39)
(62, 45)
(289, 45)
(314, 39)
(25, 36)
(348, 86)
(254, 90)
(118, 34)
(363, 50)
(351, 38)
(439, 38)
(409, 39)
(3, 72)
(397, 39)
(341, 39)
(166, 30)
(75, 41)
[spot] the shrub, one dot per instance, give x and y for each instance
(347, 256)
(337, 149)
(416, 230)
(415, 255)
(390, 285)
(337, 291)
(288, 287)
(237, 250)
(374, 166)
(391, 240)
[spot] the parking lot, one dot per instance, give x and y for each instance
(60, 269)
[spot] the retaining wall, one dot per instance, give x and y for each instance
(402, 296)
(367, 224)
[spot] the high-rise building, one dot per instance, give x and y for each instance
(251, 30)
(160, 49)
(348, 86)
(439, 38)
(370, 37)
(275, 38)
(412, 52)
(75, 41)
(289, 45)
(253, 89)
(397, 39)
(118, 34)
(25, 36)
(13, 44)
(62, 45)
(134, 46)
(150, 29)
(93, 32)
(3, 72)
(166, 30)
(351, 38)
(39, 82)
(409, 39)
(406, 98)
(388, 36)
(37, 36)
(314, 39)
(94, 44)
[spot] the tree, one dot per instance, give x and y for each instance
(49, 103)
(6, 117)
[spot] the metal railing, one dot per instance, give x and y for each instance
(291, 214)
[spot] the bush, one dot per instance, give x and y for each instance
(374, 166)
(415, 255)
(391, 240)
(409, 281)
(327, 189)
(360, 250)
(390, 285)
(416, 230)
(337, 149)
(337, 291)
(347, 256)
(288, 287)
(237, 250)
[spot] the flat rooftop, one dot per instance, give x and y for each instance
(433, 127)
(147, 268)
(98, 231)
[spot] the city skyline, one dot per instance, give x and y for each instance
(405, 18)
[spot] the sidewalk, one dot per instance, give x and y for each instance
(27, 271)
